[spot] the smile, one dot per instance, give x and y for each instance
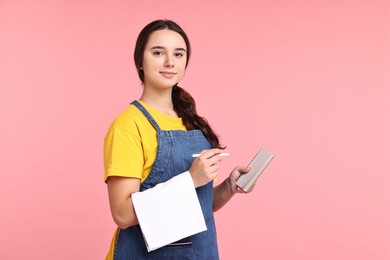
(167, 74)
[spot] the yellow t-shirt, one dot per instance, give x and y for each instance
(130, 146)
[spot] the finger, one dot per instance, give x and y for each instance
(214, 160)
(242, 191)
(243, 169)
(239, 190)
(214, 175)
(212, 169)
(211, 153)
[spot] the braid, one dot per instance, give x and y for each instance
(184, 106)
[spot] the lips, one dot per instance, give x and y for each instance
(167, 74)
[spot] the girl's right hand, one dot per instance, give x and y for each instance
(205, 167)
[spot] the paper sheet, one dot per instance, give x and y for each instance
(169, 211)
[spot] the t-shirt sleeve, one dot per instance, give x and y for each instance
(123, 155)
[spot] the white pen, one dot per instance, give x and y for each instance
(220, 154)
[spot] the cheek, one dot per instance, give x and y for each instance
(181, 70)
(149, 61)
(182, 65)
(148, 66)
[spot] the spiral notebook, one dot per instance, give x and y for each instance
(259, 162)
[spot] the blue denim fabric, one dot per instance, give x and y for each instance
(174, 156)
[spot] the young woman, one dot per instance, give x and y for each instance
(153, 140)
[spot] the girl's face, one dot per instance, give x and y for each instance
(164, 60)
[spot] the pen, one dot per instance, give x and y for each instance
(220, 154)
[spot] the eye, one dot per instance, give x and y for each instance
(158, 53)
(179, 54)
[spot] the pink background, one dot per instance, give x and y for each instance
(309, 80)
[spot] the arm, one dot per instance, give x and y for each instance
(228, 188)
(119, 193)
(203, 169)
(120, 189)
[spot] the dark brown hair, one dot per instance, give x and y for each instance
(183, 103)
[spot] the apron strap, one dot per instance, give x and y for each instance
(146, 113)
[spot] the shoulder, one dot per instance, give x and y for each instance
(128, 120)
(165, 122)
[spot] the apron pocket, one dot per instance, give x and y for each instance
(177, 250)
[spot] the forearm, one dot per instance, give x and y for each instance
(124, 215)
(120, 191)
(222, 194)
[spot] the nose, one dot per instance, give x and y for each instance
(169, 61)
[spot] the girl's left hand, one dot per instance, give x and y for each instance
(237, 171)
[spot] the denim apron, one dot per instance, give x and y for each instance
(174, 156)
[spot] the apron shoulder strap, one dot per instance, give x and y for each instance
(146, 114)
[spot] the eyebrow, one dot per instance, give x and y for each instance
(161, 47)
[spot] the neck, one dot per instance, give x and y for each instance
(160, 100)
